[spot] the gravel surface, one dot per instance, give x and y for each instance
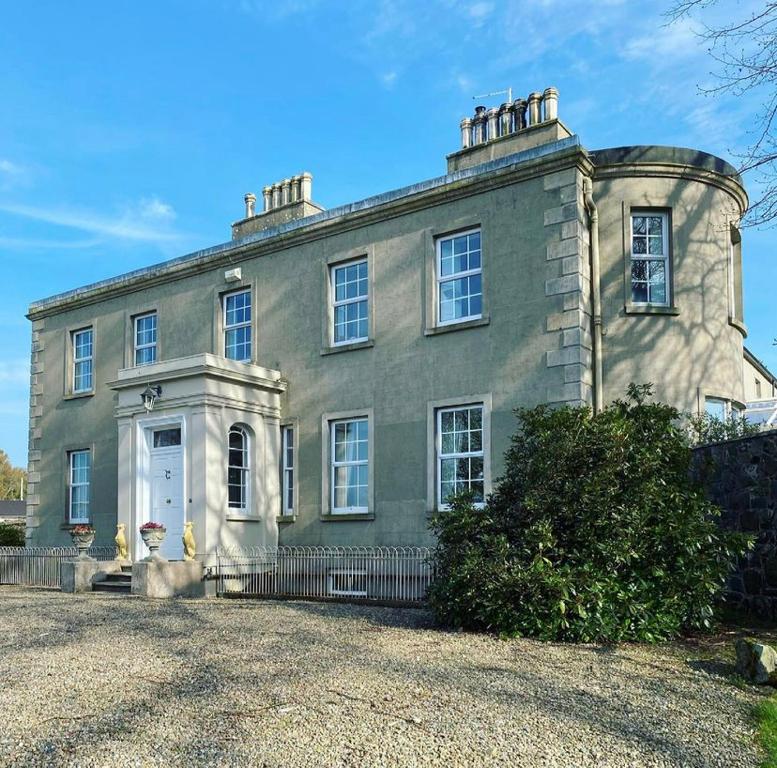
(103, 680)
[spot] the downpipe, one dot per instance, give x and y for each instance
(596, 291)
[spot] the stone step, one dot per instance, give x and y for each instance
(123, 576)
(117, 587)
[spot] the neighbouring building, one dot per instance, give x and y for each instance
(328, 377)
(760, 392)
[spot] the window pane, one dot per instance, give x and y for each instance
(656, 225)
(639, 292)
(715, 408)
(638, 245)
(658, 293)
(166, 437)
(639, 270)
(656, 246)
(639, 225)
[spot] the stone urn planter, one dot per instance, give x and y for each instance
(83, 536)
(153, 534)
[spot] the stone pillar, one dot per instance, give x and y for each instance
(492, 116)
(479, 126)
(535, 100)
(306, 186)
(250, 200)
(505, 119)
(285, 191)
(550, 101)
(267, 195)
(296, 194)
(276, 195)
(519, 114)
(466, 132)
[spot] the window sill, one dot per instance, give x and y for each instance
(348, 347)
(464, 324)
(78, 395)
(243, 519)
(650, 309)
(739, 325)
(70, 526)
(286, 518)
(329, 518)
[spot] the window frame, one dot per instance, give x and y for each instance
(335, 303)
(246, 474)
(226, 327)
(439, 456)
(334, 465)
(666, 257)
(75, 361)
(440, 278)
(152, 345)
(286, 485)
(71, 454)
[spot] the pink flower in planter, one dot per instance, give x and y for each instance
(152, 526)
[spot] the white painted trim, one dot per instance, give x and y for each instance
(142, 470)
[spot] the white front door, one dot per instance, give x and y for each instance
(166, 502)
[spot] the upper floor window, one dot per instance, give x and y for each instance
(350, 466)
(79, 477)
(238, 470)
(460, 453)
(350, 304)
(459, 279)
(287, 469)
(649, 258)
(237, 326)
(83, 355)
(735, 275)
(145, 339)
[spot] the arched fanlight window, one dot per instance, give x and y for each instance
(238, 469)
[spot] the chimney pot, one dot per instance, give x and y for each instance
(466, 133)
(267, 196)
(306, 186)
(285, 191)
(492, 117)
(519, 114)
(534, 108)
(276, 195)
(295, 188)
(250, 201)
(479, 126)
(505, 120)
(550, 101)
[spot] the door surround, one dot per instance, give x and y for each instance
(142, 470)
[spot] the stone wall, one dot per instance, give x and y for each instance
(741, 477)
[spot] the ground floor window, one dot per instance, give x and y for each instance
(287, 469)
(79, 481)
(720, 408)
(238, 470)
(350, 466)
(460, 452)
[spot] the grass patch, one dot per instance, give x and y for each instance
(766, 718)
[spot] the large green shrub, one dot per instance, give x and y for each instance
(596, 532)
(11, 535)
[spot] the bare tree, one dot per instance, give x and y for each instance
(12, 479)
(745, 52)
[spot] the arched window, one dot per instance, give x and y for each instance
(238, 470)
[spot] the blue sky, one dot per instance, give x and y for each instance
(131, 131)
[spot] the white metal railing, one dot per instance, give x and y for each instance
(39, 566)
(374, 574)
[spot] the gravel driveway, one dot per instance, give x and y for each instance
(102, 680)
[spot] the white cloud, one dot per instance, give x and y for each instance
(480, 11)
(388, 79)
(145, 220)
(153, 208)
(665, 43)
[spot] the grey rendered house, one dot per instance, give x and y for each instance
(327, 377)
